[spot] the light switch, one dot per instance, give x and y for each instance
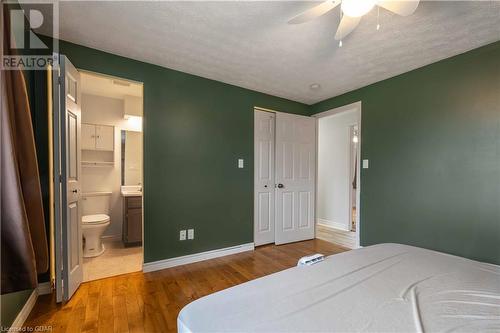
(182, 235)
(240, 163)
(190, 233)
(365, 164)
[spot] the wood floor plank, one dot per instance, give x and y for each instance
(150, 302)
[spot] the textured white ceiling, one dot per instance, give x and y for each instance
(106, 86)
(250, 44)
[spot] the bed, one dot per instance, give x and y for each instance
(380, 288)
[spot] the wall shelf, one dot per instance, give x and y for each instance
(97, 164)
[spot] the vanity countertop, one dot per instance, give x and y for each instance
(131, 191)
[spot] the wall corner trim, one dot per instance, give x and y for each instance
(192, 258)
(44, 288)
(329, 224)
(24, 313)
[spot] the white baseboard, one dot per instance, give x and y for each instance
(331, 224)
(24, 313)
(191, 258)
(44, 288)
(112, 238)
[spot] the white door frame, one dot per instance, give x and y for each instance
(348, 107)
(59, 256)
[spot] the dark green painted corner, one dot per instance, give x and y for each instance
(432, 136)
(10, 306)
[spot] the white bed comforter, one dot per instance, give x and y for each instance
(380, 288)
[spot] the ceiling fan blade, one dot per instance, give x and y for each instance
(403, 8)
(314, 12)
(346, 26)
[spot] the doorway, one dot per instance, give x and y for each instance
(338, 173)
(284, 177)
(98, 153)
(112, 173)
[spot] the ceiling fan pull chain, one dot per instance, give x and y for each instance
(378, 18)
(340, 27)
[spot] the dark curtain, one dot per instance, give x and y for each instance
(24, 250)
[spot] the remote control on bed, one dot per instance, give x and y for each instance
(311, 260)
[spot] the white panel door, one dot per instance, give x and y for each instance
(104, 137)
(88, 136)
(295, 177)
(67, 154)
(264, 134)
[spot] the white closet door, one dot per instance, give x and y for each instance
(264, 123)
(295, 177)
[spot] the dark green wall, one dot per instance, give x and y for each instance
(432, 136)
(195, 129)
(11, 305)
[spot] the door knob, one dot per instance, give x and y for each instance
(75, 191)
(265, 186)
(280, 185)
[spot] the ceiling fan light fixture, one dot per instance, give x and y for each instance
(357, 8)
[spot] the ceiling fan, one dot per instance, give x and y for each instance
(353, 10)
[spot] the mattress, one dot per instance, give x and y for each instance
(380, 288)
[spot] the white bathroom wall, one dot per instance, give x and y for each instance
(334, 171)
(107, 111)
(133, 106)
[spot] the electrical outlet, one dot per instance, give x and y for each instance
(182, 235)
(190, 233)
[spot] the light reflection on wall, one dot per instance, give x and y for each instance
(135, 123)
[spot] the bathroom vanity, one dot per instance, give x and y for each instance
(131, 189)
(132, 219)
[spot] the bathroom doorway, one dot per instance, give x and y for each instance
(111, 175)
(97, 221)
(338, 175)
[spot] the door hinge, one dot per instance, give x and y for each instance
(60, 179)
(60, 80)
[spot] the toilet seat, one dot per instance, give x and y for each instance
(95, 219)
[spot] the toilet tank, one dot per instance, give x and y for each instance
(96, 203)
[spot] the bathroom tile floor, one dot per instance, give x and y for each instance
(115, 260)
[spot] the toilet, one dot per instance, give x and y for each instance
(95, 220)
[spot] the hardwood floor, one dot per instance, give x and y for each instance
(150, 302)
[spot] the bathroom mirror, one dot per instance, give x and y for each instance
(131, 157)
